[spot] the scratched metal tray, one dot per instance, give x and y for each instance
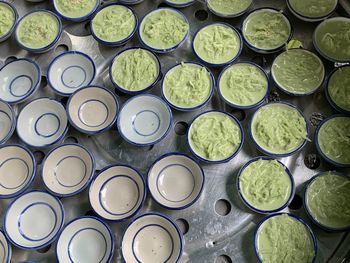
(218, 227)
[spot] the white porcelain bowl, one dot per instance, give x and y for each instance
(34, 220)
(42, 122)
(17, 170)
(144, 120)
(6, 251)
(68, 169)
(19, 79)
(85, 240)
(152, 238)
(7, 121)
(70, 71)
(117, 192)
(175, 181)
(13, 10)
(92, 110)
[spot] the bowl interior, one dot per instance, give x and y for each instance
(6, 119)
(5, 252)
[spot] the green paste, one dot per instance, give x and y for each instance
(114, 23)
(75, 8)
(265, 184)
(283, 239)
(327, 199)
(38, 30)
(135, 70)
(243, 84)
(339, 88)
(187, 85)
(7, 19)
(214, 136)
(298, 71)
(278, 128)
(334, 139)
(229, 7)
(217, 44)
(313, 8)
(163, 29)
(332, 37)
(266, 29)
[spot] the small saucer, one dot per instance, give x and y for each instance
(117, 192)
(33, 220)
(6, 251)
(7, 121)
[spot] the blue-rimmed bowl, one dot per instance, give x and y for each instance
(118, 42)
(92, 110)
(202, 103)
(70, 71)
(10, 7)
(6, 252)
(17, 170)
(319, 150)
(19, 80)
(258, 103)
(180, 4)
(77, 18)
(277, 155)
(130, 2)
(328, 190)
(294, 217)
(307, 18)
(117, 193)
(175, 181)
(152, 237)
(256, 209)
(40, 49)
(346, 89)
(134, 71)
(85, 239)
(33, 220)
(144, 120)
(228, 15)
(211, 64)
(168, 49)
(68, 169)
(8, 122)
(266, 50)
(233, 154)
(42, 122)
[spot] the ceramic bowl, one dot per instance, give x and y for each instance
(6, 251)
(68, 169)
(42, 122)
(36, 26)
(152, 237)
(7, 121)
(227, 14)
(12, 9)
(177, 4)
(117, 192)
(76, 18)
(17, 170)
(85, 239)
(311, 18)
(33, 220)
(175, 181)
(130, 2)
(144, 120)
(70, 71)
(19, 79)
(92, 110)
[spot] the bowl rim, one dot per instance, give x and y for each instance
(9, 248)
(176, 5)
(76, 19)
(13, 120)
(14, 10)
(228, 15)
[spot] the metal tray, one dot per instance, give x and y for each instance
(219, 228)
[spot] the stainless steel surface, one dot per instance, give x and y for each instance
(210, 235)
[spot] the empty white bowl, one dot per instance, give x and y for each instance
(85, 240)
(150, 238)
(42, 122)
(144, 120)
(17, 170)
(68, 169)
(175, 181)
(117, 192)
(6, 251)
(33, 220)
(92, 110)
(7, 121)
(19, 79)
(70, 71)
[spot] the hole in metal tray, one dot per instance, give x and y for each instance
(222, 207)
(183, 225)
(10, 59)
(61, 49)
(91, 213)
(44, 249)
(201, 15)
(316, 118)
(223, 259)
(71, 139)
(43, 82)
(296, 203)
(181, 128)
(239, 114)
(39, 156)
(312, 161)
